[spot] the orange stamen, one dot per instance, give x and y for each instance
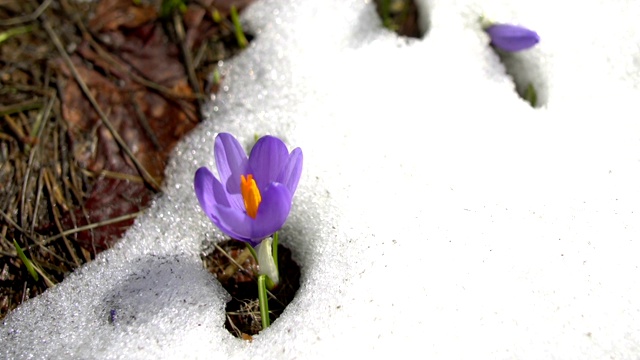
(250, 195)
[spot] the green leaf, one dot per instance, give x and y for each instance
(169, 6)
(5, 35)
(242, 40)
(530, 95)
(27, 263)
(216, 16)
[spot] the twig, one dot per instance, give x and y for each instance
(137, 78)
(112, 175)
(54, 190)
(38, 194)
(25, 293)
(41, 119)
(56, 216)
(32, 153)
(23, 106)
(200, 54)
(244, 270)
(15, 225)
(73, 183)
(92, 226)
(26, 18)
(234, 262)
(15, 128)
(145, 174)
(235, 328)
(46, 279)
(231, 269)
(146, 127)
(186, 53)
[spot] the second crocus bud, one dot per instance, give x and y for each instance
(512, 38)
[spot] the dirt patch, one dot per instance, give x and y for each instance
(232, 264)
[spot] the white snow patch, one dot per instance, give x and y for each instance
(438, 214)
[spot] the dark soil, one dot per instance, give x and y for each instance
(243, 313)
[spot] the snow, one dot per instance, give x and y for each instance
(438, 213)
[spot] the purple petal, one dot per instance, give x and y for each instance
(233, 222)
(209, 190)
(231, 161)
(267, 159)
(511, 37)
(273, 211)
(290, 174)
(213, 200)
(272, 214)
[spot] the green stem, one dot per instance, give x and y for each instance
(253, 252)
(242, 40)
(264, 303)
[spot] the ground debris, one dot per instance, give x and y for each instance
(68, 190)
(232, 264)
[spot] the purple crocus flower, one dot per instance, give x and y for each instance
(512, 38)
(253, 197)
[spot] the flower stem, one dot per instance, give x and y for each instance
(264, 303)
(253, 252)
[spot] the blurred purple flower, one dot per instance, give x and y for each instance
(512, 38)
(253, 197)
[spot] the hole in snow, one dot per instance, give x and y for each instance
(242, 312)
(402, 17)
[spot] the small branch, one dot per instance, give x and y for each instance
(15, 225)
(188, 59)
(245, 270)
(231, 269)
(144, 122)
(32, 152)
(19, 107)
(92, 226)
(26, 18)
